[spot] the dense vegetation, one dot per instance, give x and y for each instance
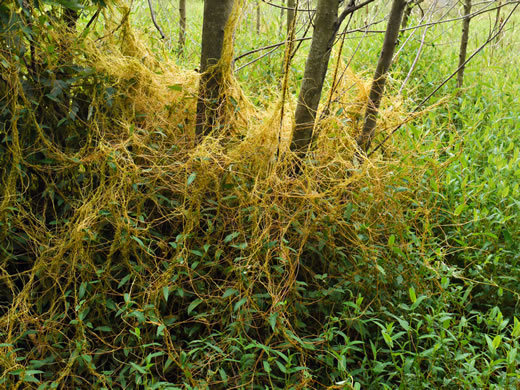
(134, 257)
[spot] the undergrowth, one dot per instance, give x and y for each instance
(133, 257)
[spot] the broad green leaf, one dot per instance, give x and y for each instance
(175, 87)
(388, 339)
(281, 367)
(166, 292)
(239, 303)
(272, 320)
(104, 328)
(496, 341)
(191, 178)
(459, 209)
(413, 297)
(229, 292)
(230, 237)
(193, 305)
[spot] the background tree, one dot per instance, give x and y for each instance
(464, 43)
(258, 16)
(383, 64)
(410, 5)
(291, 13)
(498, 20)
(182, 26)
(282, 13)
(216, 16)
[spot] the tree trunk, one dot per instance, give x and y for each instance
(383, 64)
(258, 17)
(216, 16)
(291, 13)
(464, 43)
(407, 13)
(498, 21)
(314, 75)
(282, 10)
(182, 27)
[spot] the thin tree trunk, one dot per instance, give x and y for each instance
(314, 75)
(258, 17)
(291, 13)
(182, 27)
(498, 21)
(464, 43)
(410, 5)
(383, 64)
(216, 16)
(282, 10)
(407, 13)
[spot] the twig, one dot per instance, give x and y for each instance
(416, 59)
(284, 7)
(257, 58)
(154, 20)
(350, 10)
(92, 19)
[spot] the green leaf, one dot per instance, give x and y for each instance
(139, 315)
(281, 367)
(496, 341)
(124, 280)
(459, 209)
(33, 372)
(139, 241)
(418, 302)
(191, 178)
(242, 245)
(229, 292)
(86, 358)
(516, 328)
(223, 375)
(142, 370)
(82, 290)
(489, 342)
(166, 292)
(272, 320)
(413, 297)
(160, 330)
(104, 328)
(267, 367)
(30, 378)
(167, 364)
(388, 339)
(175, 87)
(230, 237)
(239, 304)
(193, 305)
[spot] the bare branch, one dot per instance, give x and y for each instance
(152, 13)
